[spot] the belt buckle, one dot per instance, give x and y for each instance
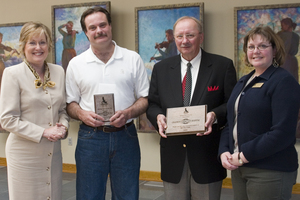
(105, 127)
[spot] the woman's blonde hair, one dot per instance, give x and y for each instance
(29, 30)
(267, 33)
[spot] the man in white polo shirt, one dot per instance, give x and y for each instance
(101, 150)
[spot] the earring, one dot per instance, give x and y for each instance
(275, 63)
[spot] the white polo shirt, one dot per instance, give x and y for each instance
(124, 75)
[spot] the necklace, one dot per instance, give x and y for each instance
(38, 82)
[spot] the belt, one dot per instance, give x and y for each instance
(109, 129)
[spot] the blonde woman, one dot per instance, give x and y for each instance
(33, 110)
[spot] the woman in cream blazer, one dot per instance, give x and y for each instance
(33, 110)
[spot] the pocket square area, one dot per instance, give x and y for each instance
(212, 88)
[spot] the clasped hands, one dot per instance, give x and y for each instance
(162, 124)
(231, 161)
(57, 132)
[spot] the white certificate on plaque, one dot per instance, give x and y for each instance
(186, 120)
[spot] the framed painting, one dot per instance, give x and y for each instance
(154, 38)
(68, 38)
(277, 17)
(9, 45)
(247, 18)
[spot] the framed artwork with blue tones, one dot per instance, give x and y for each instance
(68, 38)
(247, 18)
(154, 38)
(9, 47)
(284, 19)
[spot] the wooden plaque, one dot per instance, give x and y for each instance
(104, 106)
(186, 120)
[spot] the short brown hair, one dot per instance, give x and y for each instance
(267, 33)
(91, 11)
(170, 32)
(33, 28)
(70, 22)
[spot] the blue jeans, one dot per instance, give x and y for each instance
(99, 154)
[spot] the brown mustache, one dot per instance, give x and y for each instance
(100, 35)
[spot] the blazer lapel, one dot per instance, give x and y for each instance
(175, 81)
(203, 78)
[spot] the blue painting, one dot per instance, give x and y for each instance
(9, 44)
(66, 19)
(271, 15)
(152, 24)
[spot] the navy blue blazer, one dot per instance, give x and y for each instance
(267, 118)
(216, 79)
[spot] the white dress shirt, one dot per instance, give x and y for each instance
(194, 70)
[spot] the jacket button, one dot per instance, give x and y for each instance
(49, 154)
(48, 168)
(48, 198)
(184, 145)
(49, 107)
(50, 124)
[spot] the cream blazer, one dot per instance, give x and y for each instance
(34, 164)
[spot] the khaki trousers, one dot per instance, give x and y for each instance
(188, 189)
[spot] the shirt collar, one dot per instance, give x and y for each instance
(265, 75)
(195, 60)
(268, 73)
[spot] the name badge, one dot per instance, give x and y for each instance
(257, 85)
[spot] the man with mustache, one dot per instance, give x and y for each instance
(189, 165)
(112, 149)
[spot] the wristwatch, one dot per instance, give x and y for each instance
(239, 158)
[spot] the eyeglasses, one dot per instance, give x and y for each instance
(187, 36)
(34, 44)
(259, 47)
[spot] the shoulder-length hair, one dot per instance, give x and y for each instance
(267, 33)
(30, 29)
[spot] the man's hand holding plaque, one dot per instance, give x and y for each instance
(186, 120)
(104, 106)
